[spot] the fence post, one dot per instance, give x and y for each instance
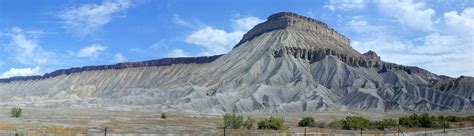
(425, 131)
(304, 131)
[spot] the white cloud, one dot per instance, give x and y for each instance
(215, 40)
(360, 25)
(92, 51)
(346, 4)
(246, 23)
(86, 19)
(178, 53)
(26, 48)
(120, 58)
(218, 41)
(413, 15)
(439, 52)
(461, 23)
(178, 20)
(21, 72)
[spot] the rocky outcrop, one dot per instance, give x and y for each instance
(425, 74)
(371, 55)
(150, 63)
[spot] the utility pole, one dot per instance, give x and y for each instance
(360, 131)
(105, 134)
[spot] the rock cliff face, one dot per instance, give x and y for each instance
(289, 63)
(150, 63)
(284, 20)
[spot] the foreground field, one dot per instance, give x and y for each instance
(81, 121)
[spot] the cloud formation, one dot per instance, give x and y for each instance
(118, 58)
(218, 41)
(92, 51)
(13, 72)
(346, 4)
(441, 50)
(414, 15)
(25, 47)
(86, 19)
(178, 53)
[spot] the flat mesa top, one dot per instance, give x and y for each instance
(283, 20)
(293, 15)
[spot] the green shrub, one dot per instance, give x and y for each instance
(249, 123)
(307, 122)
(336, 124)
(16, 112)
(163, 115)
(383, 124)
(410, 121)
(428, 121)
(453, 119)
(355, 122)
(233, 121)
(271, 123)
(319, 124)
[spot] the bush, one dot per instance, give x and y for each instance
(163, 115)
(410, 121)
(355, 122)
(427, 121)
(16, 112)
(336, 124)
(319, 124)
(233, 121)
(307, 122)
(383, 124)
(271, 123)
(249, 123)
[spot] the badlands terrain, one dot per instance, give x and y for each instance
(289, 66)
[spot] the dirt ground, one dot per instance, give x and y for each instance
(77, 121)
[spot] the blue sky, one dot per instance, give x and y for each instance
(38, 36)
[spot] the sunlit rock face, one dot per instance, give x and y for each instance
(290, 63)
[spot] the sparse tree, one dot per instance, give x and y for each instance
(163, 115)
(16, 112)
(271, 123)
(307, 122)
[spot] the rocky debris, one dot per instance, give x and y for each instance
(150, 63)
